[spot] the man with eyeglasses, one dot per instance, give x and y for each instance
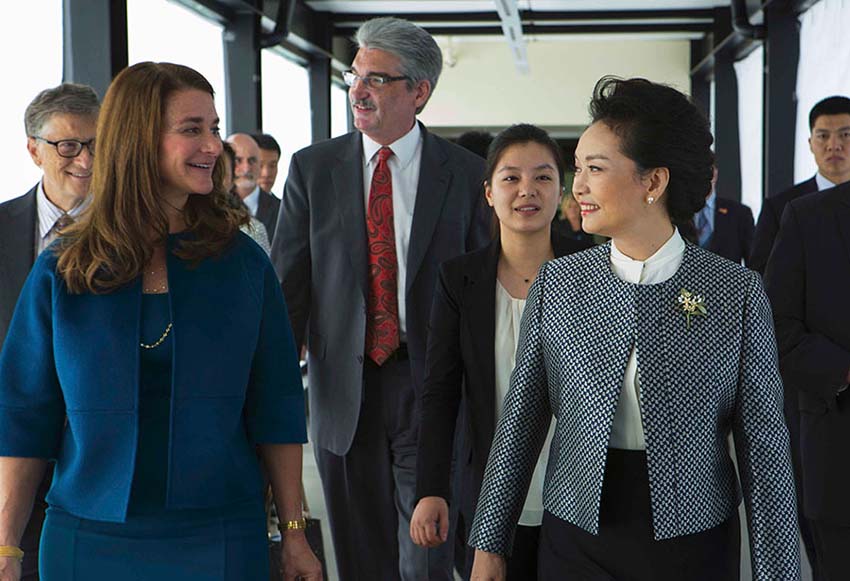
(365, 221)
(60, 124)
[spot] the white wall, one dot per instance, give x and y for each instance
(485, 89)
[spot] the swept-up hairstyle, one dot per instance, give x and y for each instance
(114, 238)
(660, 127)
(420, 58)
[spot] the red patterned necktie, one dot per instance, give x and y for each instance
(382, 327)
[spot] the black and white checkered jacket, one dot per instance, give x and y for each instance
(698, 381)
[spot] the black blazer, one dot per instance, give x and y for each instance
(733, 230)
(18, 219)
(461, 365)
(768, 224)
(268, 207)
(807, 278)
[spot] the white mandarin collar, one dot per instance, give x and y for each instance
(403, 148)
(657, 268)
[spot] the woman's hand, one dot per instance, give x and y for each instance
(429, 525)
(10, 569)
(488, 567)
(297, 559)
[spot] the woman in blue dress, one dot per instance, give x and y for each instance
(150, 356)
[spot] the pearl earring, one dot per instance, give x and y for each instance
(650, 200)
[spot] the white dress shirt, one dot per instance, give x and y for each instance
(627, 427)
(404, 166)
(252, 201)
(48, 214)
(823, 183)
(508, 317)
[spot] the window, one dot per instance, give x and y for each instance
(163, 31)
(749, 72)
(339, 110)
(286, 108)
(37, 27)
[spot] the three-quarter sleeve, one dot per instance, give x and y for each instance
(441, 395)
(32, 408)
(274, 404)
(762, 446)
(520, 435)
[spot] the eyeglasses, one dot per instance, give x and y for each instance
(69, 147)
(371, 81)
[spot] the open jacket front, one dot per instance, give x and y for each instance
(235, 383)
(699, 382)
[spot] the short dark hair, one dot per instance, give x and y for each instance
(267, 142)
(476, 141)
(518, 135)
(660, 127)
(835, 105)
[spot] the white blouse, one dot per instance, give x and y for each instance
(627, 427)
(508, 317)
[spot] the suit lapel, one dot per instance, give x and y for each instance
(430, 195)
(347, 178)
(479, 302)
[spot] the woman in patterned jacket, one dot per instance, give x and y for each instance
(649, 352)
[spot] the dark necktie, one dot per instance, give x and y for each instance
(62, 222)
(382, 326)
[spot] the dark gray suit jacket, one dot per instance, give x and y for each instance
(268, 207)
(17, 252)
(321, 258)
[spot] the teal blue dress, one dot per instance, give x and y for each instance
(155, 543)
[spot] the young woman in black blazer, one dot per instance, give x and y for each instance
(470, 342)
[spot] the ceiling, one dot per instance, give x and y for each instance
(460, 6)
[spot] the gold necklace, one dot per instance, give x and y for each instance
(158, 341)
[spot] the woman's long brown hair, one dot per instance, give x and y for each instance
(114, 238)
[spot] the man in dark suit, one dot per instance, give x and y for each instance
(806, 278)
(60, 124)
(263, 205)
(725, 227)
(829, 123)
(365, 221)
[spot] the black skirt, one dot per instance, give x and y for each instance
(624, 549)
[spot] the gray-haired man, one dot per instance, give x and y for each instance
(60, 124)
(365, 221)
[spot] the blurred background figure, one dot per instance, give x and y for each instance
(269, 159)
(255, 229)
(724, 226)
(246, 172)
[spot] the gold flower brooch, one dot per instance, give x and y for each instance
(692, 305)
